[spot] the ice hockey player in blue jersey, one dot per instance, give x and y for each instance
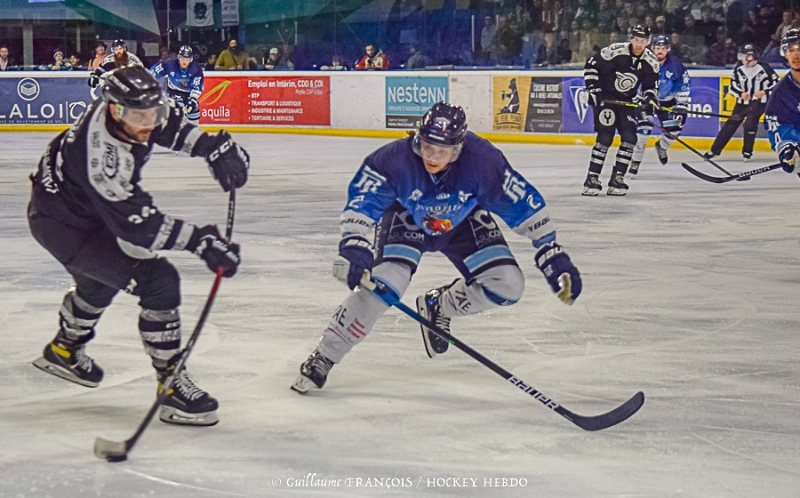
(782, 116)
(89, 211)
(184, 82)
(673, 91)
(435, 191)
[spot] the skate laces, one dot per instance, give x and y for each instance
(82, 360)
(321, 363)
(185, 384)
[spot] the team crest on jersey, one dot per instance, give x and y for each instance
(607, 117)
(415, 195)
(110, 163)
(625, 82)
(463, 196)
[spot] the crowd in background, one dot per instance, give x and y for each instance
(515, 34)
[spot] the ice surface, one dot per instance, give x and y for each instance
(690, 294)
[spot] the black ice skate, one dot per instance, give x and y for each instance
(746, 156)
(634, 168)
(70, 363)
(617, 186)
(710, 155)
(313, 373)
(430, 308)
(592, 185)
(186, 403)
(662, 153)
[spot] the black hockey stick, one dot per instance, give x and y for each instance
(704, 158)
(668, 109)
(739, 177)
(117, 451)
(592, 423)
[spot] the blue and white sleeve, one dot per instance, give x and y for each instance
(158, 70)
(522, 207)
(780, 134)
(368, 196)
(197, 84)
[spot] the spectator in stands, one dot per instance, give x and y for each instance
(622, 24)
(99, 55)
(535, 16)
(763, 28)
(650, 22)
(374, 59)
(58, 62)
(734, 19)
(654, 9)
(562, 54)
(417, 59)
(707, 26)
(678, 21)
(211, 62)
(690, 27)
(549, 21)
(661, 26)
(164, 54)
(75, 61)
(614, 37)
(274, 61)
(788, 22)
(233, 58)
(747, 34)
(6, 62)
(509, 41)
(488, 39)
(675, 49)
(723, 52)
(336, 65)
(606, 17)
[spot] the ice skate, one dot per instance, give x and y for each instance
(592, 185)
(617, 186)
(746, 156)
(662, 153)
(70, 363)
(313, 373)
(634, 168)
(710, 155)
(428, 306)
(186, 403)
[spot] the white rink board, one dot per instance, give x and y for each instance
(688, 295)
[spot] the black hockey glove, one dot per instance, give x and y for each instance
(561, 274)
(207, 243)
(228, 161)
(650, 103)
(594, 97)
(94, 80)
(787, 154)
(355, 257)
(192, 107)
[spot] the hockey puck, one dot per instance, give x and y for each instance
(117, 458)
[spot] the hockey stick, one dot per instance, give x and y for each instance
(117, 451)
(674, 137)
(739, 177)
(592, 423)
(668, 109)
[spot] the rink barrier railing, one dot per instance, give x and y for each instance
(500, 105)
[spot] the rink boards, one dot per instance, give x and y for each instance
(511, 106)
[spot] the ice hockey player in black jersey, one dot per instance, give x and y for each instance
(119, 57)
(89, 211)
(618, 72)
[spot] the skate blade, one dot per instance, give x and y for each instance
(59, 371)
(303, 384)
(172, 415)
(593, 192)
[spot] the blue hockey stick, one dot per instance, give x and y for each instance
(593, 423)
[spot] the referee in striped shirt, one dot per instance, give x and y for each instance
(751, 84)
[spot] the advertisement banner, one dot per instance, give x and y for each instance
(544, 106)
(509, 101)
(266, 100)
(705, 97)
(39, 101)
(230, 12)
(409, 98)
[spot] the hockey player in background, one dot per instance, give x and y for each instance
(118, 57)
(782, 115)
(184, 82)
(88, 210)
(673, 91)
(433, 192)
(751, 84)
(617, 73)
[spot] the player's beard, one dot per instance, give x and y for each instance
(121, 60)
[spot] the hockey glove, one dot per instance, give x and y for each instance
(787, 154)
(94, 80)
(561, 274)
(355, 257)
(192, 107)
(228, 161)
(594, 97)
(650, 103)
(207, 243)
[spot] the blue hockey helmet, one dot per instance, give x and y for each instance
(661, 41)
(444, 125)
(792, 37)
(185, 52)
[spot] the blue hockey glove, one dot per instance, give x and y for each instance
(355, 257)
(207, 243)
(787, 154)
(228, 161)
(594, 96)
(561, 274)
(192, 107)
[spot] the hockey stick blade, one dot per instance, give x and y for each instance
(738, 177)
(591, 423)
(113, 451)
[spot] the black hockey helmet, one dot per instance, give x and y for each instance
(792, 37)
(661, 41)
(640, 31)
(138, 99)
(747, 49)
(119, 43)
(444, 125)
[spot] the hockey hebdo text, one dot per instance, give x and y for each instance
(314, 480)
